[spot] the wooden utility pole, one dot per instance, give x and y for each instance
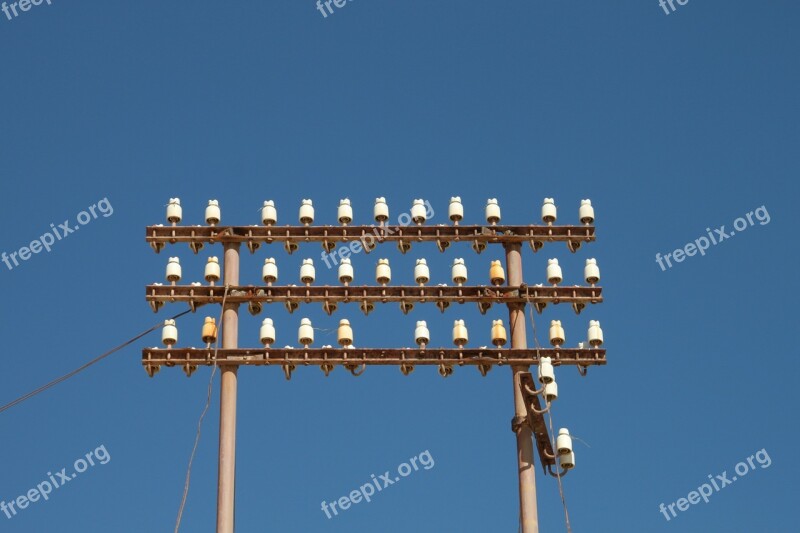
(226, 487)
(528, 512)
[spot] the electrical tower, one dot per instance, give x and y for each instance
(528, 422)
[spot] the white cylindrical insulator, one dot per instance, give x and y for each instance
(591, 271)
(549, 211)
(212, 272)
(546, 373)
(381, 210)
(550, 391)
(209, 333)
(213, 215)
(586, 212)
(269, 215)
(557, 337)
(422, 273)
(383, 273)
(307, 271)
(492, 211)
(345, 212)
(421, 333)
(305, 335)
(307, 212)
(496, 273)
(553, 272)
(267, 331)
(346, 271)
(174, 211)
(459, 271)
(567, 461)
(169, 333)
(345, 333)
(456, 209)
(595, 333)
(499, 335)
(563, 442)
(418, 214)
(269, 272)
(174, 269)
(460, 334)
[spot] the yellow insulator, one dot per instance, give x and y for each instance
(496, 273)
(210, 330)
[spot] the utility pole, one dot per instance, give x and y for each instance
(528, 512)
(226, 487)
(529, 391)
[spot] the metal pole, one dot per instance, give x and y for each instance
(527, 475)
(226, 487)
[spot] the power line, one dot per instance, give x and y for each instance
(85, 366)
(202, 416)
(552, 434)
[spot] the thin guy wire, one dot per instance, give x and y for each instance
(202, 416)
(550, 416)
(84, 367)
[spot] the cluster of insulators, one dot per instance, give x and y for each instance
(422, 335)
(383, 272)
(418, 213)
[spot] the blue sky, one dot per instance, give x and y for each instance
(671, 124)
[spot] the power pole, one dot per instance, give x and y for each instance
(528, 422)
(528, 511)
(226, 487)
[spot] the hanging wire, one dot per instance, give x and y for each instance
(202, 416)
(550, 416)
(558, 474)
(85, 366)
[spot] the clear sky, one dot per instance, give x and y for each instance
(671, 124)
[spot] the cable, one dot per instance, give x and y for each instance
(550, 416)
(558, 474)
(84, 367)
(202, 416)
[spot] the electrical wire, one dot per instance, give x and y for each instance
(558, 474)
(550, 416)
(202, 416)
(84, 367)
